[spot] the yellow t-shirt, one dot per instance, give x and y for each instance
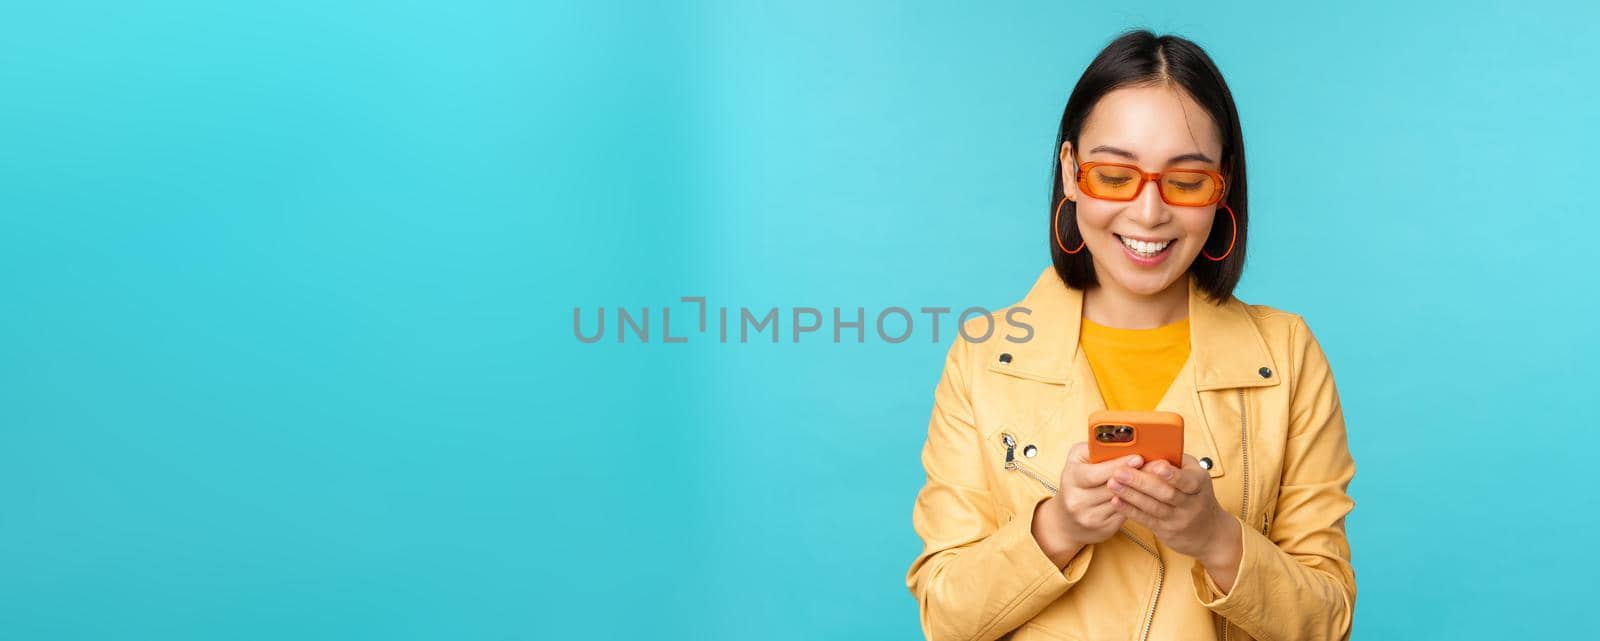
(1134, 367)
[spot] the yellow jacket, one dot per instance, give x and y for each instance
(1259, 404)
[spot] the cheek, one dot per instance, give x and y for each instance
(1197, 225)
(1095, 216)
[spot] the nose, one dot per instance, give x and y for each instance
(1148, 209)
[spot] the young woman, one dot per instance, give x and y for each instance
(1022, 534)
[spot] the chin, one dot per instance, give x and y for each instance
(1145, 283)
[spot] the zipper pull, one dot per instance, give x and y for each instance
(1011, 449)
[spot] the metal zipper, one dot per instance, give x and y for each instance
(1161, 566)
(1161, 579)
(1244, 453)
(1244, 494)
(1013, 464)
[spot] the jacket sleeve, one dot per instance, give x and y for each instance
(978, 576)
(1298, 583)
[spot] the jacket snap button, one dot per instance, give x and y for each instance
(1266, 373)
(1005, 358)
(1030, 451)
(1205, 462)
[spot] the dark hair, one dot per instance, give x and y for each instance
(1140, 58)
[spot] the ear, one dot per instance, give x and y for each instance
(1069, 172)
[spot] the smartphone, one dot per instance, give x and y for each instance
(1153, 435)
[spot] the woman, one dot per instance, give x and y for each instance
(1022, 534)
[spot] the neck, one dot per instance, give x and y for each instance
(1111, 305)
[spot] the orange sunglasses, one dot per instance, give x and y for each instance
(1180, 187)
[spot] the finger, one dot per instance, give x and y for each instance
(1192, 478)
(1096, 474)
(1187, 479)
(1105, 516)
(1088, 498)
(1146, 503)
(1133, 513)
(1162, 469)
(1097, 495)
(1077, 459)
(1146, 483)
(1097, 513)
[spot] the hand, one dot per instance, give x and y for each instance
(1178, 505)
(1081, 513)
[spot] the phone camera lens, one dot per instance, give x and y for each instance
(1124, 430)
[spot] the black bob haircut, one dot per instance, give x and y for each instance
(1140, 58)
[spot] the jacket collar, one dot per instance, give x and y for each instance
(1226, 347)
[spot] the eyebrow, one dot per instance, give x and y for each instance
(1131, 156)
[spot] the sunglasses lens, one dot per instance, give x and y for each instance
(1112, 183)
(1190, 189)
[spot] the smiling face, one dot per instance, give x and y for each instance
(1144, 246)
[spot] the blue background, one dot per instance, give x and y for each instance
(286, 348)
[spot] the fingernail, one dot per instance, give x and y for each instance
(1124, 475)
(1136, 461)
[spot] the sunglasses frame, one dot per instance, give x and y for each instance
(1145, 177)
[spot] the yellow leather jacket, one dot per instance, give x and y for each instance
(1259, 405)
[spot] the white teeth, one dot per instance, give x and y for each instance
(1149, 249)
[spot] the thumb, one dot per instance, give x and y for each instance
(1098, 473)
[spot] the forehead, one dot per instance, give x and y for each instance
(1155, 122)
